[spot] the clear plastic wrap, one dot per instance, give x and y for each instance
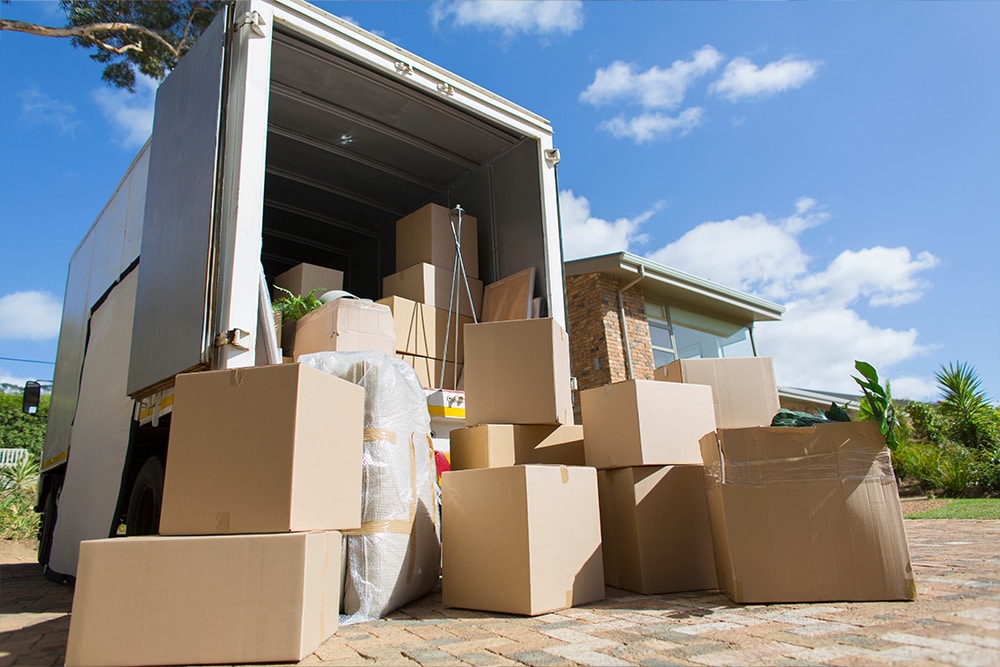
(395, 557)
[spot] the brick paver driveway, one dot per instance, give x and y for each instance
(954, 621)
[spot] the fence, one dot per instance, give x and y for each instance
(12, 457)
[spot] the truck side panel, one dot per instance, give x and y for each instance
(109, 248)
(100, 431)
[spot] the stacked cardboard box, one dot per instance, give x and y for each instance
(342, 324)
(743, 389)
(345, 324)
(264, 471)
(304, 278)
(426, 287)
(644, 437)
(519, 537)
(806, 515)
(797, 514)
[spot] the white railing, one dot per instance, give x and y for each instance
(12, 457)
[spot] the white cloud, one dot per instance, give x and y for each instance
(655, 88)
(39, 107)
(130, 114)
(8, 377)
(653, 126)
(883, 276)
(815, 345)
(749, 253)
(915, 389)
(31, 315)
(511, 17)
(742, 78)
(586, 236)
(821, 333)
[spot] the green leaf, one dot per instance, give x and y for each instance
(867, 370)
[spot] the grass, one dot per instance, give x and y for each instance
(963, 508)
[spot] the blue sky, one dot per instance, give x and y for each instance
(842, 159)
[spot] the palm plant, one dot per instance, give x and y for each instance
(971, 420)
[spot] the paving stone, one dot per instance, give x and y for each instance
(540, 659)
(955, 621)
(487, 659)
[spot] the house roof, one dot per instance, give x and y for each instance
(669, 286)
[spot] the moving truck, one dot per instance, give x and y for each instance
(286, 135)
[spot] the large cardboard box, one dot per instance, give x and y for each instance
(426, 236)
(423, 330)
(346, 324)
(267, 449)
(231, 599)
(521, 540)
(498, 445)
(517, 372)
(743, 389)
(429, 371)
(806, 515)
(304, 278)
(644, 422)
(655, 529)
(426, 283)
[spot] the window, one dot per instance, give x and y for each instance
(676, 333)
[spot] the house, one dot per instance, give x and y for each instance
(628, 315)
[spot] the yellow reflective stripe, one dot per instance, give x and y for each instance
(148, 412)
(58, 458)
(442, 411)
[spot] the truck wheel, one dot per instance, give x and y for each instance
(147, 496)
(48, 526)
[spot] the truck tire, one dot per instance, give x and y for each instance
(146, 499)
(47, 528)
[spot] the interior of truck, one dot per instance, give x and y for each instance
(350, 151)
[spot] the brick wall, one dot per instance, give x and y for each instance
(595, 331)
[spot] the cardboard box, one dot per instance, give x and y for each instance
(266, 449)
(346, 325)
(655, 529)
(423, 330)
(304, 278)
(429, 371)
(426, 283)
(743, 389)
(498, 445)
(522, 539)
(644, 422)
(806, 515)
(510, 298)
(231, 599)
(517, 372)
(426, 237)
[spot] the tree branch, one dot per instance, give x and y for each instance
(89, 32)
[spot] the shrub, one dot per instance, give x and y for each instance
(18, 519)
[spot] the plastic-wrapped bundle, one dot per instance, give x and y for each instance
(395, 557)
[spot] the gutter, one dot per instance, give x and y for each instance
(621, 320)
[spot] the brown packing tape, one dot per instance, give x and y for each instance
(236, 377)
(379, 434)
(806, 468)
(397, 526)
(564, 473)
(222, 521)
